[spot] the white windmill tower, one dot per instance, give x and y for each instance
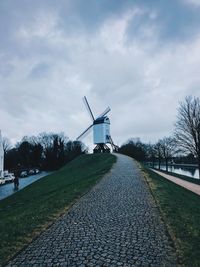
(101, 130)
(1, 157)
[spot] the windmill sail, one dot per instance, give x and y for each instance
(1, 157)
(105, 112)
(88, 108)
(84, 133)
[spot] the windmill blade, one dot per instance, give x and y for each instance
(88, 108)
(84, 133)
(105, 112)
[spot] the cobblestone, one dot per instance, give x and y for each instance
(116, 224)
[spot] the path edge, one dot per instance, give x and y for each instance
(169, 231)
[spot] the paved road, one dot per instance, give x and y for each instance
(115, 224)
(8, 189)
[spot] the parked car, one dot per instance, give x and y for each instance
(24, 174)
(9, 177)
(31, 172)
(37, 171)
(2, 181)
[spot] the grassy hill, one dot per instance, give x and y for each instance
(30, 211)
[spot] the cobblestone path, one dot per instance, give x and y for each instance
(115, 224)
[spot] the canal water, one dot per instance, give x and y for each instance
(188, 171)
(8, 189)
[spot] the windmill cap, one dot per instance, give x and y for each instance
(102, 120)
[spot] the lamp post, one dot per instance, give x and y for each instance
(198, 145)
(196, 128)
(1, 157)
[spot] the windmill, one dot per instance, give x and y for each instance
(1, 157)
(101, 130)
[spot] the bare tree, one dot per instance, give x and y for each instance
(167, 149)
(150, 154)
(158, 152)
(6, 144)
(187, 127)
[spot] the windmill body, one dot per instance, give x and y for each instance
(1, 157)
(101, 130)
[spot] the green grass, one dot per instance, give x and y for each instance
(183, 177)
(180, 209)
(30, 211)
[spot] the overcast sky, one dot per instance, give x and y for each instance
(141, 58)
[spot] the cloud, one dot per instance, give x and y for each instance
(43, 26)
(122, 60)
(196, 3)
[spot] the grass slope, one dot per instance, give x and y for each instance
(181, 211)
(28, 212)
